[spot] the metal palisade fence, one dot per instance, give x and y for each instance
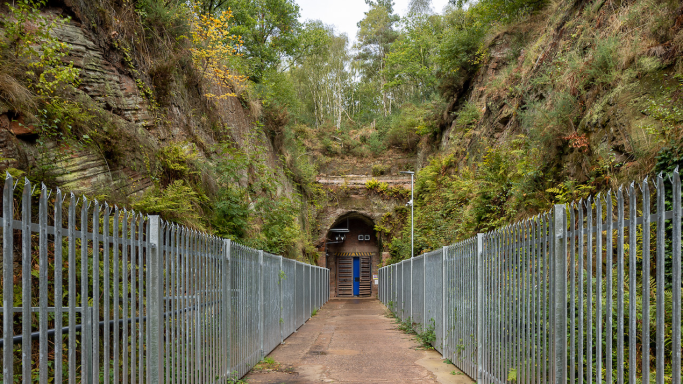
(92, 294)
(587, 293)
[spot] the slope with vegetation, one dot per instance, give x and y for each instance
(221, 114)
(512, 106)
(148, 104)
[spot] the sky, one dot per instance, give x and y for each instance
(345, 14)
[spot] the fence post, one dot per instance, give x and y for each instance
(260, 303)
(560, 284)
(155, 352)
(444, 257)
(282, 320)
(410, 314)
(480, 307)
(226, 303)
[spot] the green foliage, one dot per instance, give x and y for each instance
(177, 202)
(512, 374)
(268, 28)
(29, 37)
(427, 337)
(602, 69)
(176, 162)
(258, 215)
(164, 17)
(377, 144)
(500, 11)
(372, 184)
(378, 170)
(321, 75)
(460, 40)
(410, 69)
(65, 120)
(408, 126)
(468, 116)
(406, 326)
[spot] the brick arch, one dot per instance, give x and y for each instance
(342, 246)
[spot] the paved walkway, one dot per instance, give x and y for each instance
(352, 341)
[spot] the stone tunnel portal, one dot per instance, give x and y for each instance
(352, 255)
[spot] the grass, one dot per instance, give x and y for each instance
(426, 337)
(267, 364)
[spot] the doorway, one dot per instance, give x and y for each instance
(356, 276)
(352, 236)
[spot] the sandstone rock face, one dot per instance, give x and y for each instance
(19, 127)
(103, 82)
(109, 84)
(10, 155)
(4, 122)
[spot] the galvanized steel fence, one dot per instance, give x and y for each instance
(119, 297)
(590, 292)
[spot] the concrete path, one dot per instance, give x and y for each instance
(352, 341)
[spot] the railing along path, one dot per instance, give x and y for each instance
(116, 296)
(587, 293)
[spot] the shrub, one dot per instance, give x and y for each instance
(176, 162)
(379, 170)
(178, 202)
(427, 337)
(372, 184)
(29, 37)
(376, 143)
(468, 116)
(361, 151)
(407, 127)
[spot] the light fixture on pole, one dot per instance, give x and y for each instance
(412, 175)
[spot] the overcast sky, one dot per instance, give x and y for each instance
(345, 14)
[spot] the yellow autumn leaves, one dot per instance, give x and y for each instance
(213, 49)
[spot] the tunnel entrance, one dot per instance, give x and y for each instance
(352, 255)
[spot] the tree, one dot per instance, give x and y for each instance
(420, 7)
(269, 30)
(375, 35)
(322, 73)
(501, 11)
(213, 49)
(411, 70)
(212, 6)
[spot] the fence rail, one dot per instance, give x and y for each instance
(590, 292)
(115, 296)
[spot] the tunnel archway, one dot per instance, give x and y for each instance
(352, 255)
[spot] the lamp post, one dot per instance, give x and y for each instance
(412, 175)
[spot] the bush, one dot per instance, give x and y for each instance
(378, 170)
(164, 18)
(176, 162)
(372, 184)
(361, 151)
(178, 202)
(468, 116)
(376, 143)
(407, 127)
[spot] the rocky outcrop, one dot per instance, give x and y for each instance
(111, 88)
(103, 82)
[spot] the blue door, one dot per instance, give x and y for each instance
(356, 276)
